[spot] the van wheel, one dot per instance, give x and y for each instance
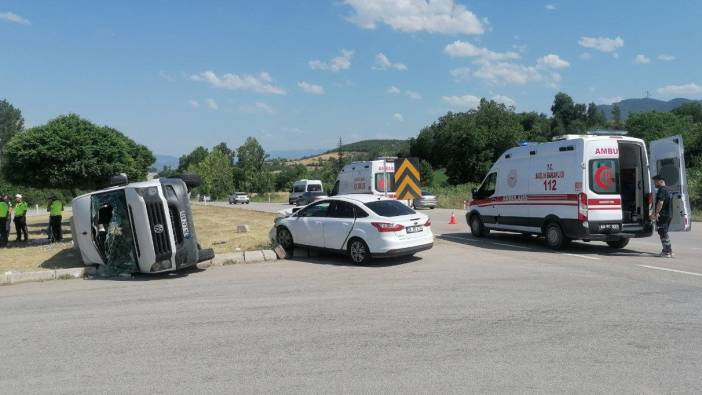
(555, 238)
(359, 252)
(621, 243)
(477, 228)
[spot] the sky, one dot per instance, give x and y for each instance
(298, 75)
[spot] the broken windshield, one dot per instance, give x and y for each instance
(112, 231)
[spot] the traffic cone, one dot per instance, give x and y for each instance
(452, 221)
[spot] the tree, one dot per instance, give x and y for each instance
(595, 117)
(426, 173)
(186, 162)
(231, 154)
(11, 122)
(692, 110)
(340, 155)
(216, 171)
(70, 152)
(616, 116)
(250, 162)
(568, 117)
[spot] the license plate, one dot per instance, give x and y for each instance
(609, 227)
(414, 229)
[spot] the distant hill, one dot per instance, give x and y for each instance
(629, 106)
(165, 160)
(294, 154)
(387, 147)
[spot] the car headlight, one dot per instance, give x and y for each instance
(161, 265)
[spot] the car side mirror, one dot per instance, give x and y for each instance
(474, 191)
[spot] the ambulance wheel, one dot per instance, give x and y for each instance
(621, 243)
(555, 238)
(477, 228)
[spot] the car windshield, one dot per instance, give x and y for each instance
(241, 194)
(112, 231)
(389, 208)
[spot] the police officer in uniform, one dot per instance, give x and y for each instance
(662, 215)
(55, 210)
(4, 219)
(21, 208)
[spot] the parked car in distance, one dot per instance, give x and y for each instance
(310, 197)
(427, 200)
(239, 198)
(359, 225)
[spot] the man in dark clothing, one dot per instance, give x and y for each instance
(662, 215)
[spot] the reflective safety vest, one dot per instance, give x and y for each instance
(55, 208)
(21, 209)
(4, 209)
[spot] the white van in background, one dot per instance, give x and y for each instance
(375, 177)
(302, 186)
(585, 187)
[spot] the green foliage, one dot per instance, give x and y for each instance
(72, 153)
(194, 158)
(616, 117)
(376, 148)
(251, 158)
(426, 173)
(285, 177)
(453, 196)
(692, 110)
(216, 171)
(11, 122)
(655, 125)
(34, 196)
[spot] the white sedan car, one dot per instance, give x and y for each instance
(362, 226)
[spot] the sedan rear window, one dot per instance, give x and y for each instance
(389, 208)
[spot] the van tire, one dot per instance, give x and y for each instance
(190, 180)
(476, 226)
(555, 238)
(621, 243)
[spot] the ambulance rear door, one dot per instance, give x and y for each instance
(667, 158)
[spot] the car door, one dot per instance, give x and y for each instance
(308, 226)
(338, 224)
(667, 158)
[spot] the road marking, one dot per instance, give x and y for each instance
(594, 258)
(671, 270)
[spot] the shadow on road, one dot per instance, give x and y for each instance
(328, 258)
(524, 243)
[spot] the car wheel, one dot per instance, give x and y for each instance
(359, 252)
(555, 238)
(477, 228)
(621, 243)
(285, 240)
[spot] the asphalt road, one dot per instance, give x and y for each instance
(501, 314)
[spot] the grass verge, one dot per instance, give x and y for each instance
(215, 226)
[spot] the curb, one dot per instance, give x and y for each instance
(44, 275)
(232, 258)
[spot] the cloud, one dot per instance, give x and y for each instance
(507, 73)
(642, 59)
(586, 56)
(194, 103)
(465, 102)
(666, 58)
(685, 89)
(311, 88)
(604, 44)
(431, 16)
(166, 76)
(383, 63)
(413, 95)
(212, 104)
(609, 99)
(393, 90)
(259, 83)
(463, 49)
(550, 7)
(341, 62)
(460, 74)
(398, 117)
(14, 18)
(507, 101)
(258, 107)
(552, 61)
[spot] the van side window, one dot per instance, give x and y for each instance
(314, 188)
(489, 185)
(298, 188)
(604, 176)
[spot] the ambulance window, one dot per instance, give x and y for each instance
(669, 168)
(488, 187)
(604, 176)
(381, 179)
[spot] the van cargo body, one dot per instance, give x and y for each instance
(145, 226)
(585, 187)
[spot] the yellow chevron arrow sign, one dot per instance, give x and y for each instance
(407, 179)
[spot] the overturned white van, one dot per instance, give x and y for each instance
(586, 187)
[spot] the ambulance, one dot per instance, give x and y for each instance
(594, 187)
(375, 177)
